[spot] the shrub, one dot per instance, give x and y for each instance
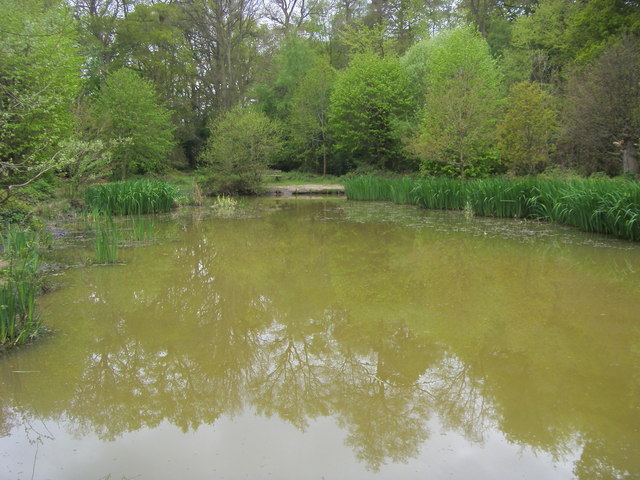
(242, 145)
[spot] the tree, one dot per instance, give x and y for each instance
(222, 35)
(592, 27)
(539, 46)
(39, 82)
(602, 116)
(98, 21)
(462, 94)
(127, 108)
(151, 41)
(309, 119)
(240, 148)
(370, 100)
(525, 133)
(291, 63)
(291, 14)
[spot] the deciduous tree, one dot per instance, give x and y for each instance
(309, 120)
(526, 132)
(602, 116)
(370, 100)
(127, 108)
(462, 93)
(39, 83)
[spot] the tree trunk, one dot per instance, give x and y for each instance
(629, 157)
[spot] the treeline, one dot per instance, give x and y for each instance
(470, 88)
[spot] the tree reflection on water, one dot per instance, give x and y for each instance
(214, 330)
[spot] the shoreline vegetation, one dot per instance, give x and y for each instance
(604, 206)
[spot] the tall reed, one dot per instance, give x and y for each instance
(20, 286)
(132, 197)
(599, 206)
(141, 228)
(106, 239)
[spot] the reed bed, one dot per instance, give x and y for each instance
(132, 197)
(598, 206)
(20, 286)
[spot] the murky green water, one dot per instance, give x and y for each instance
(310, 339)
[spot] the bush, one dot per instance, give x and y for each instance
(242, 144)
(13, 211)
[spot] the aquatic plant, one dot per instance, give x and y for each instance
(20, 285)
(368, 187)
(598, 205)
(106, 239)
(224, 204)
(132, 197)
(141, 228)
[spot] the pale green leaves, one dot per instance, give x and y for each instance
(127, 107)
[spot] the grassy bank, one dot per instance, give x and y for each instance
(598, 206)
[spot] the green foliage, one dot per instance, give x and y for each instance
(39, 81)
(131, 197)
(460, 108)
(416, 64)
(540, 41)
(593, 26)
(309, 120)
(242, 145)
(130, 116)
(597, 206)
(370, 101)
(106, 239)
(602, 111)
(361, 39)
(484, 165)
(14, 211)
(292, 62)
(559, 33)
(526, 132)
(87, 160)
(152, 38)
(20, 286)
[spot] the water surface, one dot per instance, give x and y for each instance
(309, 339)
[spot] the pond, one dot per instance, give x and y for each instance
(321, 338)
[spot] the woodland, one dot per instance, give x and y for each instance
(109, 89)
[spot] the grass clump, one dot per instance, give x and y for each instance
(20, 286)
(132, 197)
(592, 205)
(224, 205)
